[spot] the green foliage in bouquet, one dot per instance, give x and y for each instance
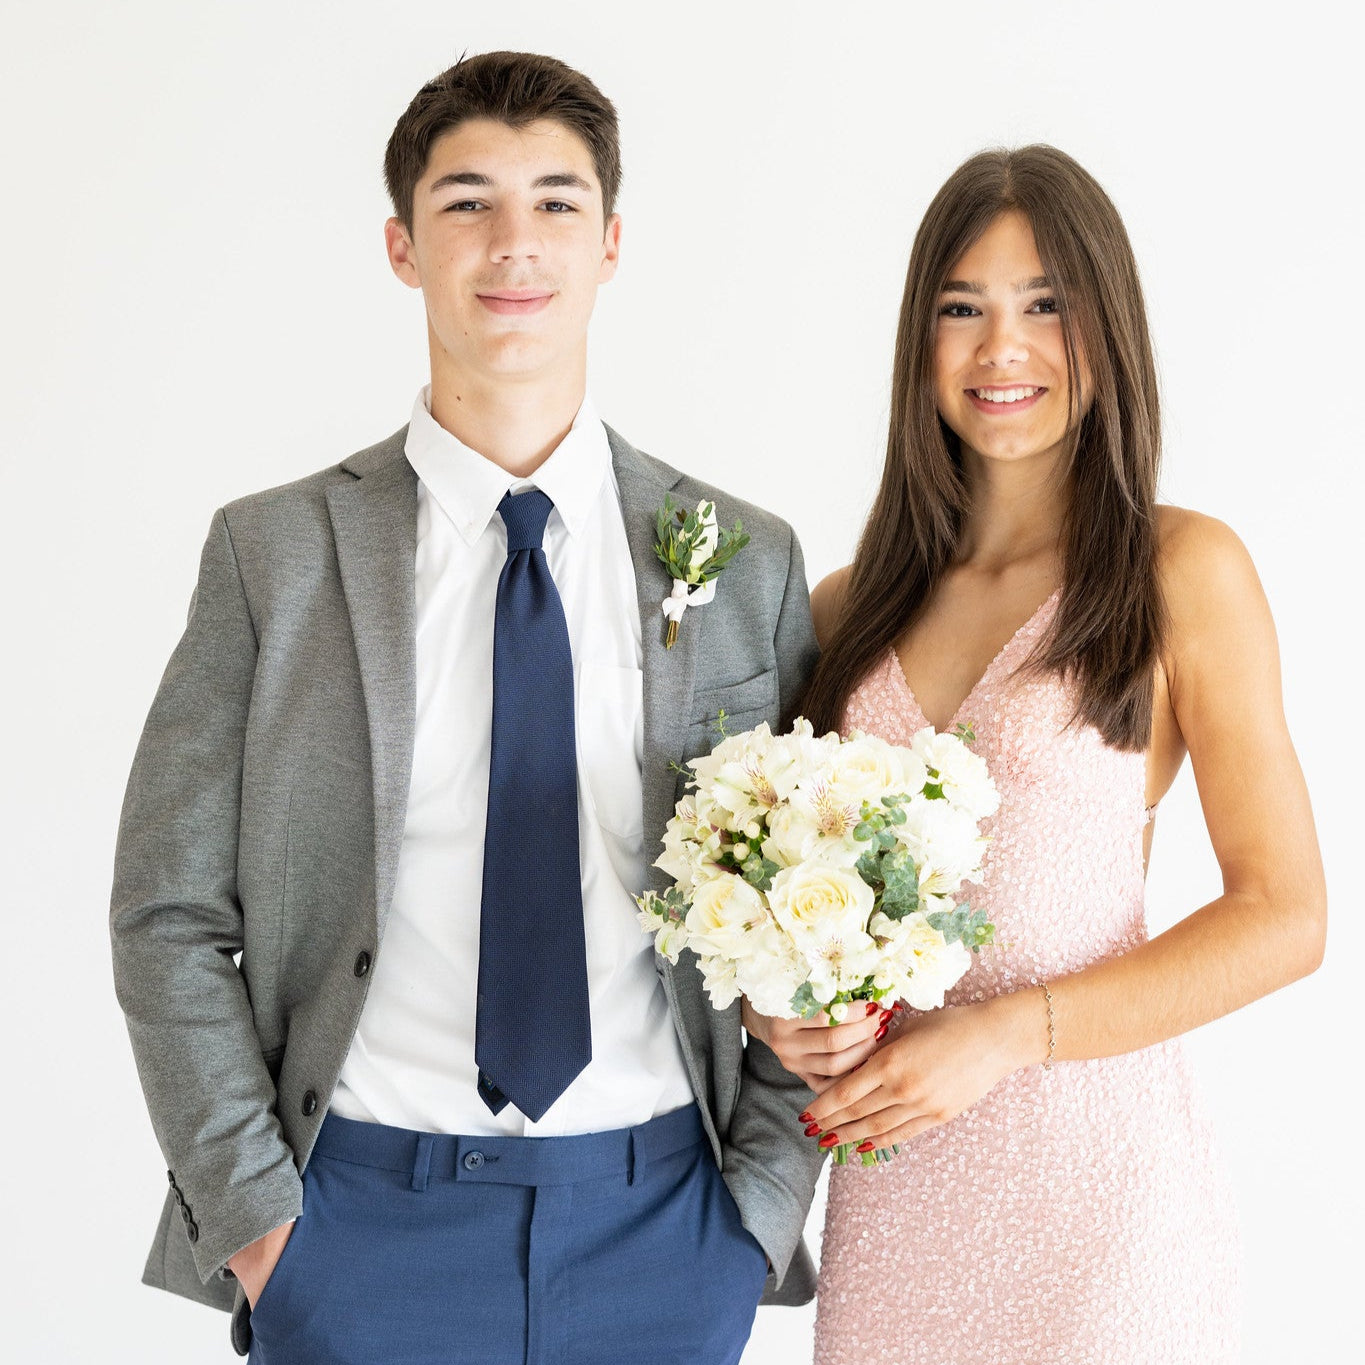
(971, 926)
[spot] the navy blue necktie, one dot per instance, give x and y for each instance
(532, 1032)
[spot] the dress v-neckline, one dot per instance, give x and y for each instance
(1004, 649)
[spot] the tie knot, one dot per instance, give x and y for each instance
(525, 515)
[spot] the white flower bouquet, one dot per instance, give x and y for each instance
(810, 872)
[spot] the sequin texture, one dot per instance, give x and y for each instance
(1078, 1215)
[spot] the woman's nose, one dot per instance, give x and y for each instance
(1003, 344)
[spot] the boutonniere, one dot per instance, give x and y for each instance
(694, 549)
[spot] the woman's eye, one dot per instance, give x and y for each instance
(1043, 306)
(957, 310)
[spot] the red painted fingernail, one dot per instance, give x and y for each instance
(880, 1033)
(886, 1016)
(812, 1129)
(871, 1008)
(830, 1140)
(898, 1006)
(868, 1146)
(806, 1117)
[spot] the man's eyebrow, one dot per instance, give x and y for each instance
(973, 287)
(461, 178)
(555, 180)
(561, 180)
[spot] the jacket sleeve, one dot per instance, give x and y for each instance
(769, 1165)
(177, 930)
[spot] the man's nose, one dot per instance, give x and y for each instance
(515, 235)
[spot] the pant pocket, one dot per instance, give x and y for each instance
(274, 1308)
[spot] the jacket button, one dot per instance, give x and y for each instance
(362, 965)
(310, 1103)
(192, 1231)
(473, 1160)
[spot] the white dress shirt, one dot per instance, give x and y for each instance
(411, 1062)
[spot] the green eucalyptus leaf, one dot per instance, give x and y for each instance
(900, 894)
(869, 868)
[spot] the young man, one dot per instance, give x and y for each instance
(425, 1090)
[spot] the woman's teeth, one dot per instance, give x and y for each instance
(1004, 395)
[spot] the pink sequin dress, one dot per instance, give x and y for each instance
(1079, 1215)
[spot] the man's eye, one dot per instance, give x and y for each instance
(463, 206)
(559, 206)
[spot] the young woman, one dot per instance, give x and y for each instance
(1057, 1196)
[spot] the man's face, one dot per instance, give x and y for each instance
(508, 247)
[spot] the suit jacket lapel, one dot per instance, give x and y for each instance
(668, 673)
(374, 522)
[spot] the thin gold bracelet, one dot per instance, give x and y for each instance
(1051, 1029)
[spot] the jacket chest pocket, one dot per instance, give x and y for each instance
(746, 703)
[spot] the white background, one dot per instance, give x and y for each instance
(197, 305)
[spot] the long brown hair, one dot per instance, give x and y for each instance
(1108, 627)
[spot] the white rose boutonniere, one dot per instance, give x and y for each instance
(694, 548)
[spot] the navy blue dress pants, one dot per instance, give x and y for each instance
(423, 1249)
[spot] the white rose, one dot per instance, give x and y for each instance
(722, 914)
(817, 899)
(792, 834)
(868, 768)
(921, 966)
(945, 843)
(962, 774)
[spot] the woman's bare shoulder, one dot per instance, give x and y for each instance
(1213, 595)
(1201, 559)
(827, 601)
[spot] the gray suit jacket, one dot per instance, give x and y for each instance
(261, 830)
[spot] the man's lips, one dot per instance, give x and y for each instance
(515, 301)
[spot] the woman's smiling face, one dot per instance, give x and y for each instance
(1000, 371)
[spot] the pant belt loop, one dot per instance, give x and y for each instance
(421, 1162)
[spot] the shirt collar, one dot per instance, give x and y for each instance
(469, 487)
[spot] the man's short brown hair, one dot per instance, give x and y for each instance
(515, 88)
